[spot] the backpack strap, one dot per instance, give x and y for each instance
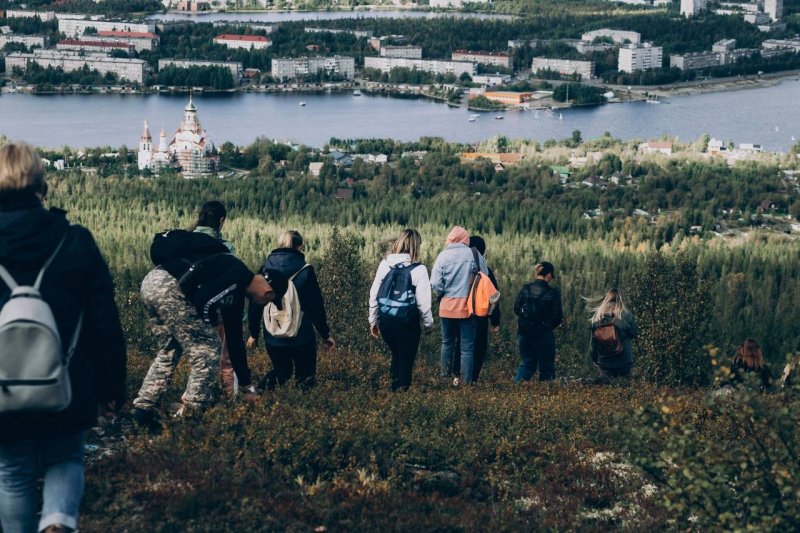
(9, 280)
(73, 344)
(298, 272)
(477, 263)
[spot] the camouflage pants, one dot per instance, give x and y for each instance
(179, 330)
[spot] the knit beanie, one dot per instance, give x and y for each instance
(458, 235)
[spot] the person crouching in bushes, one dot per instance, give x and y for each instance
(400, 295)
(293, 354)
(43, 425)
(210, 220)
(185, 300)
(450, 279)
(538, 307)
(613, 330)
(750, 359)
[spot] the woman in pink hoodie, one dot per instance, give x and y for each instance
(450, 280)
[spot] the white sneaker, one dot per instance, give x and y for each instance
(456, 382)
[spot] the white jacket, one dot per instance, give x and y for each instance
(419, 277)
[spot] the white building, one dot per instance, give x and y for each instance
(27, 40)
(410, 52)
(288, 68)
(498, 59)
(245, 42)
(92, 46)
(757, 18)
(190, 147)
(76, 27)
(773, 44)
(233, 66)
(358, 33)
(44, 16)
(695, 61)
(491, 80)
(690, 8)
(585, 69)
(774, 8)
(455, 4)
(140, 40)
(643, 56)
(617, 36)
(386, 64)
(125, 69)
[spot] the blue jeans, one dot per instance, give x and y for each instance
(537, 351)
(59, 460)
(452, 329)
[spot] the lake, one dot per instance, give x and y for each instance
(768, 116)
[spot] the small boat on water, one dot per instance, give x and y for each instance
(356, 93)
(474, 116)
(302, 104)
(652, 99)
(498, 117)
(471, 119)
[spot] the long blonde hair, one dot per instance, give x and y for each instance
(20, 168)
(611, 304)
(409, 242)
(750, 354)
(290, 239)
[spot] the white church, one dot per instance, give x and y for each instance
(190, 149)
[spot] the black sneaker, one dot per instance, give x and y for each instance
(146, 419)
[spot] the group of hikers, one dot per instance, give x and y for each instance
(63, 352)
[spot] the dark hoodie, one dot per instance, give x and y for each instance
(288, 261)
(78, 279)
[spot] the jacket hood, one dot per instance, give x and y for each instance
(29, 235)
(396, 259)
(286, 260)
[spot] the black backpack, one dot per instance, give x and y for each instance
(397, 300)
(186, 246)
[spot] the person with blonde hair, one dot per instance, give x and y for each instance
(293, 355)
(399, 297)
(74, 281)
(539, 312)
(613, 329)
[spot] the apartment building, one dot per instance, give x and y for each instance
(498, 59)
(386, 64)
(92, 47)
(642, 56)
(27, 40)
(409, 52)
(234, 66)
(76, 27)
(774, 8)
(139, 40)
(690, 8)
(44, 16)
(585, 69)
(244, 42)
(694, 61)
(126, 69)
(616, 36)
(288, 68)
(774, 44)
(358, 33)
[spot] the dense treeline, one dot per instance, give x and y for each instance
(215, 77)
(50, 76)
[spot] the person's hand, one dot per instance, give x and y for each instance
(428, 329)
(495, 329)
(329, 343)
(375, 331)
(251, 342)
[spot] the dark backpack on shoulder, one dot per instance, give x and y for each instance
(397, 300)
(607, 339)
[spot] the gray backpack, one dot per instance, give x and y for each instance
(34, 371)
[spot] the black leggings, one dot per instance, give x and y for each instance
(287, 360)
(403, 341)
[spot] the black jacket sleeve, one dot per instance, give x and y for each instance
(494, 318)
(101, 326)
(232, 322)
(316, 304)
(556, 311)
(255, 313)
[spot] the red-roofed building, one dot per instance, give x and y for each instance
(93, 46)
(140, 40)
(247, 42)
(499, 59)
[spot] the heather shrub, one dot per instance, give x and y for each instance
(671, 305)
(729, 463)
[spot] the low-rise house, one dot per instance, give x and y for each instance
(315, 168)
(656, 147)
(504, 159)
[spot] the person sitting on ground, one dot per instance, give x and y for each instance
(210, 221)
(76, 285)
(293, 355)
(185, 299)
(538, 307)
(750, 359)
(613, 330)
(397, 319)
